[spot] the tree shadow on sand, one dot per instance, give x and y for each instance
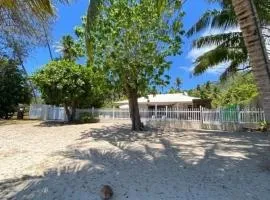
(155, 164)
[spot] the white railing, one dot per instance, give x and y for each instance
(241, 116)
(205, 116)
(47, 113)
(56, 114)
(251, 116)
(211, 116)
(159, 114)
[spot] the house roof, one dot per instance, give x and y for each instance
(162, 98)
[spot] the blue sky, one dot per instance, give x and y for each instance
(70, 16)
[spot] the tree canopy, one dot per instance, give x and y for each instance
(24, 24)
(237, 90)
(14, 89)
(69, 84)
(130, 43)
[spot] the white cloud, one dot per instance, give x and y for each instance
(195, 52)
(218, 31)
(185, 68)
(218, 69)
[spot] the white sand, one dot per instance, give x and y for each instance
(73, 161)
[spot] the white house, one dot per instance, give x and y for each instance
(162, 101)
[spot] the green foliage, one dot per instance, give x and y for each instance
(130, 40)
(87, 117)
(241, 90)
(23, 24)
(14, 89)
(230, 47)
(264, 126)
(237, 90)
(177, 86)
(70, 49)
(66, 83)
(206, 91)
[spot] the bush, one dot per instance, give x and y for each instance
(87, 118)
(264, 126)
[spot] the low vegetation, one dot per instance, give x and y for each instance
(87, 118)
(237, 90)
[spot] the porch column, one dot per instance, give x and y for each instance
(166, 111)
(177, 111)
(155, 110)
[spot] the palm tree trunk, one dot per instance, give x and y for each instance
(47, 41)
(255, 43)
(30, 84)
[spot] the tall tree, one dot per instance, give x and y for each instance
(66, 83)
(24, 22)
(230, 46)
(178, 83)
(249, 22)
(130, 41)
(14, 89)
(70, 49)
(177, 86)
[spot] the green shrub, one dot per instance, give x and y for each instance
(87, 118)
(264, 126)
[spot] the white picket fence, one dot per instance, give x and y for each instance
(205, 116)
(240, 116)
(47, 113)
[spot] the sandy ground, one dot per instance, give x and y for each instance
(41, 161)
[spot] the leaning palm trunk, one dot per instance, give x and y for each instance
(255, 43)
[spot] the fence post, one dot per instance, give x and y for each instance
(46, 109)
(238, 114)
(177, 111)
(220, 116)
(113, 112)
(238, 117)
(93, 110)
(201, 115)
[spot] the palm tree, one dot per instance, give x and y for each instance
(20, 25)
(26, 22)
(230, 46)
(178, 83)
(38, 7)
(248, 18)
(69, 48)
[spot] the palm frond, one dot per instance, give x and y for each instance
(225, 19)
(25, 22)
(263, 9)
(232, 69)
(229, 71)
(217, 56)
(222, 3)
(232, 39)
(38, 7)
(203, 22)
